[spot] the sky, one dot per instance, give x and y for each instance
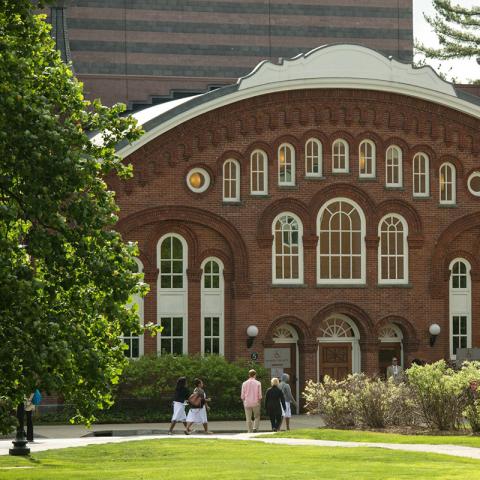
(462, 70)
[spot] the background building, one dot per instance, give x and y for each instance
(143, 51)
(331, 201)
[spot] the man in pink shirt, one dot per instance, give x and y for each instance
(252, 396)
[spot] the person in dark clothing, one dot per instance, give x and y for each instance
(181, 396)
(274, 401)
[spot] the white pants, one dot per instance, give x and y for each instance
(179, 414)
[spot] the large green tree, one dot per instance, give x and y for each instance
(457, 29)
(65, 274)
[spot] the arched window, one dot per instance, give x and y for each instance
(231, 181)
(393, 250)
(421, 175)
(394, 169)
(460, 300)
(172, 294)
(341, 246)
(287, 252)
(447, 184)
(286, 164)
(258, 173)
(212, 293)
(135, 342)
(340, 161)
(366, 159)
(313, 158)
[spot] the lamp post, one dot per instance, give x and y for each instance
(252, 332)
(434, 331)
(20, 443)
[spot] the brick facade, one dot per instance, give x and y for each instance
(157, 201)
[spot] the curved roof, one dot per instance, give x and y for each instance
(331, 66)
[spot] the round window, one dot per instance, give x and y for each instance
(198, 180)
(474, 183)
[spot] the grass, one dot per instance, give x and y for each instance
(365, 436)
(222, 459)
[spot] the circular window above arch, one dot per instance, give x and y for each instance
(198, 180)
(474, 183)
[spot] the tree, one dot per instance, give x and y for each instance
(65, 274)
(458, 31)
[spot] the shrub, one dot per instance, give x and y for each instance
(469, 379)
(332, 400)
(439, 392)
(153, 379)
(371, 401)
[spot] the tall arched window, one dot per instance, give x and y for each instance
(340, 160)
(135, 342)
(447, 184)
(366, 159)
(231, 181)
(393, 250)
(421, 175)
(313, 158)
(286, 165)
(172, 294)
(341, 245)
(460, 300)
(287, 252)
(258, 173)
(212, 292)
(394, 168)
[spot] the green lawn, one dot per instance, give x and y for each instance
(364, 436)
(222, 459)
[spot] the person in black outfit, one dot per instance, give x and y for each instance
(181, 396)
(274, 401)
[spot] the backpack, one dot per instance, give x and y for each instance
(37, 397)
(196, 400)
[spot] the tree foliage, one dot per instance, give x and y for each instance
(65, 274)
(458, 31)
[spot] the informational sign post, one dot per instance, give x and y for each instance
(277, 357)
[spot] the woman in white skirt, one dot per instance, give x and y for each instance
(198, 410)
(181, 396)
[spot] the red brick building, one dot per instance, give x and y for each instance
(332, 201)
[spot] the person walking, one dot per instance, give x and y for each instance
(251, 396)
(198, 407)
(181, 396)
(29, 409)
(289, 400)
(395, 371)
(274, 402)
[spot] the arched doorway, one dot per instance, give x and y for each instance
(286, 336)
(338, 347)
(391, 345)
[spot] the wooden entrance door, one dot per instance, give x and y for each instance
(385, 354)
(335, 360)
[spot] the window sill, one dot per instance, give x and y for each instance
(367, 179)
(314, 177)
(288, 187)
(289, 285)
(260, 195)
(417, 197)
(341, 285)
(400, 189)
(233, 204)
(394, 285)
(341, 174)
(447, 205)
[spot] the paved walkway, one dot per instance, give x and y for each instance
(65, 436)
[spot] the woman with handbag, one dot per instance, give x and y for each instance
(198, 407)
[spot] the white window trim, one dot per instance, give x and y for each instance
(400, 167)
(293, 165)
(402, 281)
(373, 159)
(319, 158)
(282, 281)
(467, 292)
(206, 177)
(363, 251)
(453, 201)
(347, 156)
(264, 156)
(163, 294)
(217, 292)
(470, 178)
(416, 174)
(236, 198)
